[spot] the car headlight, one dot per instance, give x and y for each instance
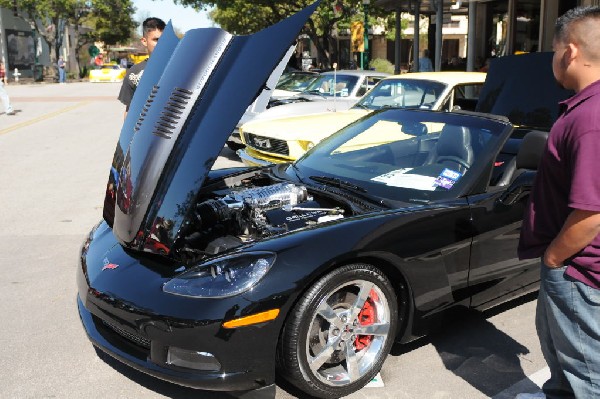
(306, 145)
(223, 277)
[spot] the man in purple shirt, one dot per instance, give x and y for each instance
(562, 221)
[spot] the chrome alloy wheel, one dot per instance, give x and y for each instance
(348, 332)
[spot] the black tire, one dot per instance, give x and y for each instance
(324, 329)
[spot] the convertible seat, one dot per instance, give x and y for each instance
(453, 149)
(528, 157)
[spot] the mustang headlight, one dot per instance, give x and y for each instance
(223, 277)
(306, 145)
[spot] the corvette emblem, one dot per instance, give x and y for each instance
(108, 265)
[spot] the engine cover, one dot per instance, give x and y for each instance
(295, 219)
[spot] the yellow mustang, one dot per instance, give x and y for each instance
(285, 139)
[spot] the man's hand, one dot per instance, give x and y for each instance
(580, 228)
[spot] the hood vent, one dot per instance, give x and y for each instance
(169, 118)
(197, 92)
(144, 112)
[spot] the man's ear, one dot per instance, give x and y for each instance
(572, 52)
(568, 55)
(144, 41)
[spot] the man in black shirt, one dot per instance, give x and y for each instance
(152, 29)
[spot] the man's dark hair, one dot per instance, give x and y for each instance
(562, 29)
(151, 24)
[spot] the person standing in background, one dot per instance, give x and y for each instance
(425, 64)
(152, 29)
(8, 109)
(561, 225)
(62, 74)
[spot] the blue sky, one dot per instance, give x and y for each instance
(183, 18)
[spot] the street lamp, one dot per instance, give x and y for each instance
(365, 57)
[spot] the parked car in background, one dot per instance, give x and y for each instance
(346, 86)
(330, 91)
(292, 83)
(282, 139)
(107, 73)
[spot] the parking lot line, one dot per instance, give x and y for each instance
(533, 383)
(42, 117)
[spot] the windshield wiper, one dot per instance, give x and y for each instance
(338, 183)
(363, 106)
(353, 192)
(316, 92)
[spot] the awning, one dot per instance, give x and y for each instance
(425, 7)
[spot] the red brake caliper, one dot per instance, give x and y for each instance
(366, 317)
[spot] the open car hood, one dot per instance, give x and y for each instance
(188, 102)
(523, 88)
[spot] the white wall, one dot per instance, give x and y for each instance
(19, 45)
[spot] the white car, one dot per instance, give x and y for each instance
(345, 86)
(292, 83)
(331, 91)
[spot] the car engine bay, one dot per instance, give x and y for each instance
(256, 209)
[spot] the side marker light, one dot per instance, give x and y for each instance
(253, 319)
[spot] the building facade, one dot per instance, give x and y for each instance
(25, 53)
(495, 28)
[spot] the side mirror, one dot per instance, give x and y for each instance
(518, 189)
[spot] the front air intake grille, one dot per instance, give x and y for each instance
(266, 144)
(169, 118)
(134, 338)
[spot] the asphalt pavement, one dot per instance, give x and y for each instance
(54, 163)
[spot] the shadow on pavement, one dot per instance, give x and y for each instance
(473, 349)
(228, 153)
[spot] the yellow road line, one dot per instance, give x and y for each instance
(43, 117)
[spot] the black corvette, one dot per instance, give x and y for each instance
(219, 279)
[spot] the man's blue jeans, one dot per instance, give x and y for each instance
(568, 325)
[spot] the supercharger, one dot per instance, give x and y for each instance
(250, 213)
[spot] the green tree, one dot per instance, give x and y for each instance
(249, 16)
(108, 20)
(113, 20)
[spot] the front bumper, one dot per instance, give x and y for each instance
(105, 78)
(125, 314)
(250, 160)
(138, 358)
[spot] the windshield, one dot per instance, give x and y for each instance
(403, 93)
(409, 156)
(295, 81)
(327, 85)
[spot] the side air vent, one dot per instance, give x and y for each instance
(144, 112)
(170, 116)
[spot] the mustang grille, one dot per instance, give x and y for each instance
(136, 339)
(267, 144)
